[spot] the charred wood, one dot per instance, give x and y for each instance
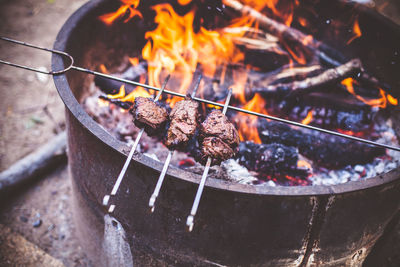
(325, 150)
(270, 159)
(282, 75)
(332, 111)
(119, 103)
(111, 87)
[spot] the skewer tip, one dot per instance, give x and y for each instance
(111, 209)
(106, 199)
(151, 203)
(190, 223)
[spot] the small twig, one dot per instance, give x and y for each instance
(29, 167)
(329, 76)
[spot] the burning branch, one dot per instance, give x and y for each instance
(329, 76)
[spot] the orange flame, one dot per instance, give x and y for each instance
(103, 69)
(134, 61)
(356, 31)
(174, 48)
(121, 95)
(392, 100)
(378, 102)
(130, 5)
(308, 118)
(247, 125)
(304, 164)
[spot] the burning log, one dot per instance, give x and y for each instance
(270, 159)
(325, 150)
(327, 77)
(331, 111)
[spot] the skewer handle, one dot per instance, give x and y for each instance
(160, 181)
(196, 202)
(121, 175)
(167, 161)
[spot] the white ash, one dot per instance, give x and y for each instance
(237, 172)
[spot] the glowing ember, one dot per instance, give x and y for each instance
(308, 118)
(356, 31)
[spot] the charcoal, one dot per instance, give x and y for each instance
(325, 150)
(270, 159)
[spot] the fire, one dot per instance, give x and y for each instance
(284, 14)
(175, 48)
(392, 100)
(356, 31)
(103, 69)
(308, 118)
(121, 95)
(378, 102)
(134, 61)
(247, 125)
(128, 5)
(303, 164)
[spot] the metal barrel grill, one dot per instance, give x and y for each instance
(235, 224)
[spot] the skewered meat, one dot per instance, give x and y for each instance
(148, 114)
(183, 116)
(219, 138)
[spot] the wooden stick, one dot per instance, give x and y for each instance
(278, 29)
(329, 76)
(43, 159)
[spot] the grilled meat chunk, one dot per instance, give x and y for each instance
(183, 117)
(148, 114)
(218, 125)
(219, 138)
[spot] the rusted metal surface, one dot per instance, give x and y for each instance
(236, 224)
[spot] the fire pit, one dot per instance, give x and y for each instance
(236, 224)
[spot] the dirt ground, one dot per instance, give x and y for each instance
(36, 227)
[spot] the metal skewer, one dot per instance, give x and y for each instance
(190, 218)
(265, 116)
(121, 175)
(167, 161)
